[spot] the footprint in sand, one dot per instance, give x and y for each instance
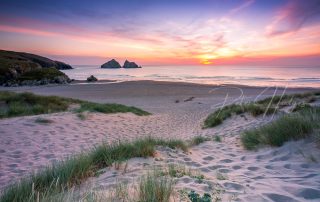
(279, 197)
(225, 161)
(224, 170)
(208, 158)
(233, 186)
(236, 167)
(252, 168)
(215, 167)
(308, 193)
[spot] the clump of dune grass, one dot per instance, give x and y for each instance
(294, 126)
(222, 114)
(266, 106)
(24, 104)
(155, 188)
(65, 174)
(217, 138)
(301, 106)
(198, 140)
(110, 108)
(41, 120)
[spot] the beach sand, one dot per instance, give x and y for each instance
(178, 111)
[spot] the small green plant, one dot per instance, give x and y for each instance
(301, 106)
(199, 178)
(217, 138)
(119, 193)
(195, 197)
(177, 171)
(198, 140)
(155, 188)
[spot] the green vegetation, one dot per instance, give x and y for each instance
(222, 114)
(39, 74)
(198, 140)
(63, 175)
(217, 138)
(155, 188)
(195, 197)
(265, 106)
(301, 106)
(24, 104)
(110, 108)
(15, 66)
(294, 126)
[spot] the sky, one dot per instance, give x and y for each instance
(165, 32)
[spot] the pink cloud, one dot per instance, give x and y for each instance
(293, 16)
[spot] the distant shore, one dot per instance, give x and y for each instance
(124, 91)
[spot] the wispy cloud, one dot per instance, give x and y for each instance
(242, 6)
(293, 16)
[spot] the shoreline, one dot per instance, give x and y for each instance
(108, 81)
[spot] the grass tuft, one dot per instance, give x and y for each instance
(65, 174)
(265, 106)
(294, 126)
(155, 188)
(110, 108)
(217, 138)
(198, 140)
(24, 104)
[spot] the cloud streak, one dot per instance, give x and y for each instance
(293, 17)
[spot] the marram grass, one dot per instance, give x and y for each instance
(266, 106)
(295, 126)
(65, 174)
(25, 104)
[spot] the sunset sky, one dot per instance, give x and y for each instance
(165, 31)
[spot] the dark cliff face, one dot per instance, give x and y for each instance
(15, 65)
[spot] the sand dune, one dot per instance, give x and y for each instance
(271, 174)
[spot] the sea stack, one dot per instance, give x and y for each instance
(128, 64)
(112, 64)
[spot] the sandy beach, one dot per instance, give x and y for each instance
(178, 111)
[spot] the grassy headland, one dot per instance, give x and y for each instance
(18, 68)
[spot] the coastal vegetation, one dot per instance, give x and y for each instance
(24, 104)
(301, 124)
(64, 175)
(18, 68)
(266, 106)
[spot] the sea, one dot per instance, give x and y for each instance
(278, 76)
